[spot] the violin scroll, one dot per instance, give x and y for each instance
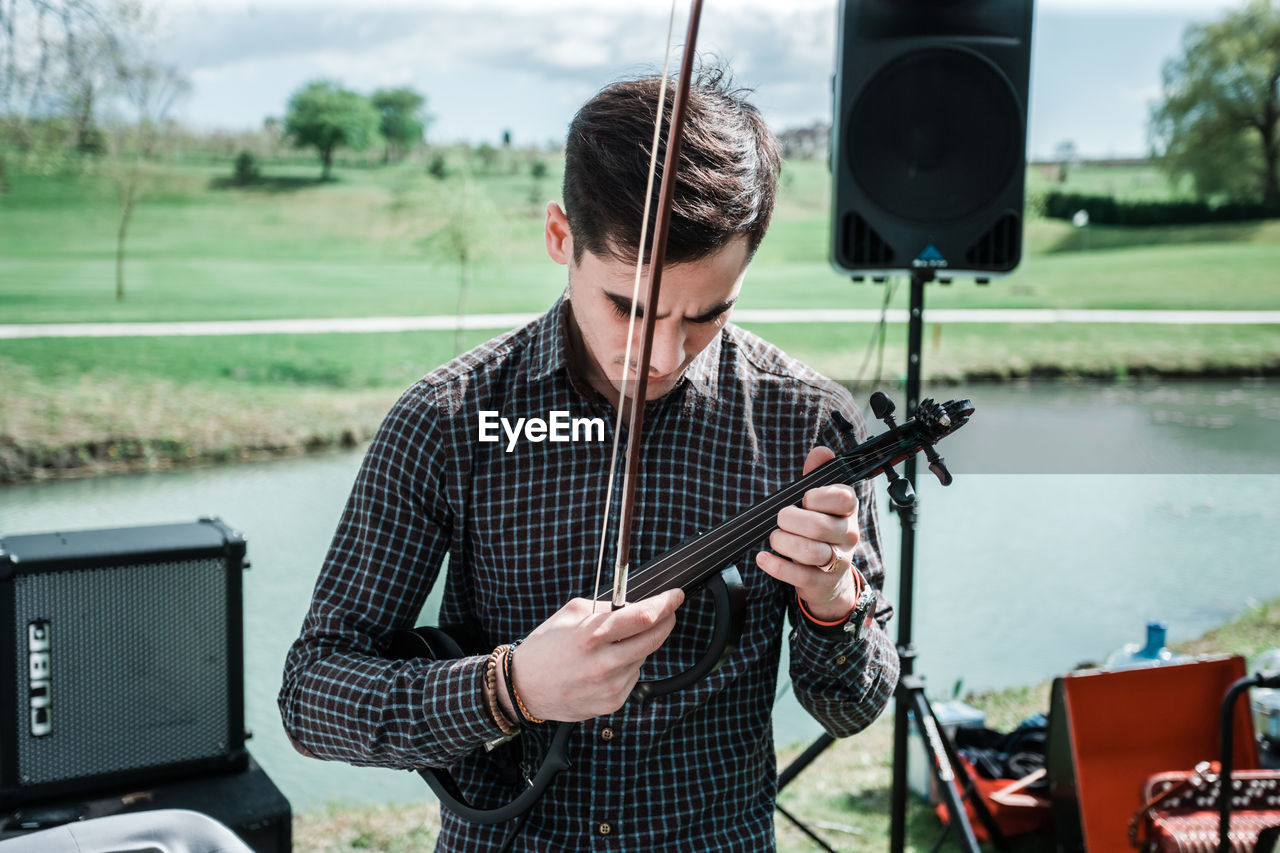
(930, 422)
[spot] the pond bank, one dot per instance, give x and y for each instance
(88, 427)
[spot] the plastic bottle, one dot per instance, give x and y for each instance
(1266, 701)
(1153, 653)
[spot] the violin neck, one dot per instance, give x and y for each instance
(691, 563)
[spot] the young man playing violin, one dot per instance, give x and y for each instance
(729, 420)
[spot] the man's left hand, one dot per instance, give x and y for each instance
(809, 537)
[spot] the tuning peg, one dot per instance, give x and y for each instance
(842, 423)
(933, 415)
(900, 491)
(937, 465)
(882, 407)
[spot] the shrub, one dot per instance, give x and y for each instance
(246, 168)
(1107, 210)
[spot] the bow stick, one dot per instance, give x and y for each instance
(657, 255)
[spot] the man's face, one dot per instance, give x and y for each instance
(694, 304)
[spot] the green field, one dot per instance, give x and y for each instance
(376, 242)
(386, 241)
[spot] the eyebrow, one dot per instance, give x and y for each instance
(623, 303)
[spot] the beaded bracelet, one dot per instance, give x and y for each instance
(507, 725)
(507, 665)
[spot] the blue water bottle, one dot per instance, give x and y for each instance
(1154, 653)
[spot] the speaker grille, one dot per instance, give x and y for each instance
(139, 663)
(1000, 247)
(862, 245)
(934, 135)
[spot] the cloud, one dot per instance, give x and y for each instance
(490, 65)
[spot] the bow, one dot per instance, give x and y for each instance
(657, 256)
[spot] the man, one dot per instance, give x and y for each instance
(729, 420)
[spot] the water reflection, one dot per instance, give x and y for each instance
(1018, 577)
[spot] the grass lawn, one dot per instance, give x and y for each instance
(386, 241)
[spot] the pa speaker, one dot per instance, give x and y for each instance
(928, 151)
(121, 657)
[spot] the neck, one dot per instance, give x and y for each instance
(691, 563)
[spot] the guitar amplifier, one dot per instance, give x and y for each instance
(121, 657)
(248, 803)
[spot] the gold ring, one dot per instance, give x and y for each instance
(835, 558)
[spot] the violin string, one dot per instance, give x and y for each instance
(749, 527)
(635, 301)
(723, 541)
(751, 524)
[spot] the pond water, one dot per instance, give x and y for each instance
(1077, 513)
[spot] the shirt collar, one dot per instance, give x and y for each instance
(549, 353)
(549, 344)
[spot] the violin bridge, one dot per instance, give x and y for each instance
(620, 585)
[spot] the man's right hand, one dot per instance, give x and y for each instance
(578, 664)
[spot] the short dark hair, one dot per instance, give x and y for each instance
(727, 178)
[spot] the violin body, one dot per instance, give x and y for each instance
(452, 642)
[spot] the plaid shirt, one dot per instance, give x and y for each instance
(692, 770)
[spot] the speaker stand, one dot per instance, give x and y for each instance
(911, 694)
(910, 697)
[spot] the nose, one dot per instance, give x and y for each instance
(668, 347)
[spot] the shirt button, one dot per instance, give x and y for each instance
(605, 829)
(841, 659)
(606, 734)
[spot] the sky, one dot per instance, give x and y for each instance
(489, 66)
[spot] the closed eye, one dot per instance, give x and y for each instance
(622, 308)
(713, 314)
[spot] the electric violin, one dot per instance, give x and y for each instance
(707, 562)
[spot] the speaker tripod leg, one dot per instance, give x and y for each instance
(898, 789)
(793, 770)
(940, 757)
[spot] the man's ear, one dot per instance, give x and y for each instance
(558, 237)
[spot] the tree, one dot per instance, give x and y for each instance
(461, 230)
(488, 156)
(60, 65)
(1217, 120)
(1065, 154)
(148, 93)
(324, 115)
(402, 120)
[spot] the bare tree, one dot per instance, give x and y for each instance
(59, 60)
(1065, 154)
(462, 235)
(148, 92)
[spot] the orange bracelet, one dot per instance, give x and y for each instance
(862, 584)
(817, 621)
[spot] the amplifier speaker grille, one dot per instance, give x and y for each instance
(139, 667)
(121, 658)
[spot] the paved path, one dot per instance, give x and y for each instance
(509, 321)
